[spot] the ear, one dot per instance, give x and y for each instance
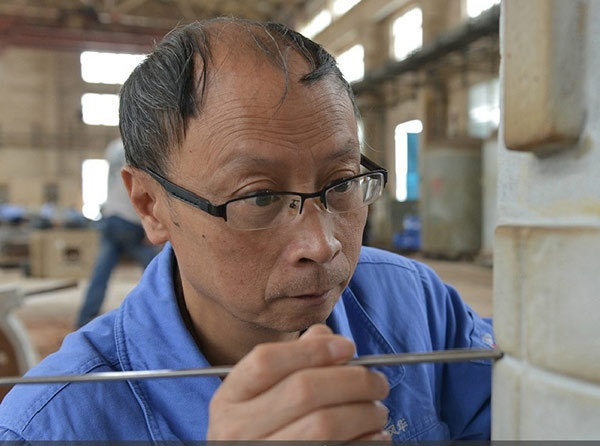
(145, 197)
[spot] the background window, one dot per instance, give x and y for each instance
(94, 187)
(407, 162)
(476, 7)
(352, 63)
(104, 68)
(361, 135)
(100, 109)
(484, 108)
(319, 22)
(341, 7)
(407, 33)
(108, 68)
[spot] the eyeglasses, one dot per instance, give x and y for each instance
(264, 210)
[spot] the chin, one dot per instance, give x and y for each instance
(298, 322)
(301, 326)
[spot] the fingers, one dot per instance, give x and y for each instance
(316, 330)
(338, 423)
(269, 363)
(309, 390)
(300, 390)
(381, 436)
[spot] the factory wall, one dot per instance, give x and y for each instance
(546, 264)
(43, 140)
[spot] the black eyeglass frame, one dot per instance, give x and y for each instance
(221, 210)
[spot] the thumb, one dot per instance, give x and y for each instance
(316, 330)
(341, 348)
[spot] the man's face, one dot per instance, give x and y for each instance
(284, 278)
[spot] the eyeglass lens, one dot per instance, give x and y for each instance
(267, 211)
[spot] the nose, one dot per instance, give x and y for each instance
(316, 201)
(313, 237)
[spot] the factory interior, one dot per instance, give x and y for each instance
(484, 112)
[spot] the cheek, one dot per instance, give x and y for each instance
(349, 230)
(230, 260)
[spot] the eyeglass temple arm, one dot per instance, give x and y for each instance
(186, 196)
(372, 165)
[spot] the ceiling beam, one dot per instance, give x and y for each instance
(126, 6)
(79, 39)
(446, 43)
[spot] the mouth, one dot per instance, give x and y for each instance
(318, 295)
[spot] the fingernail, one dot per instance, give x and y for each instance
(340, 348)
(382, 407)
(383, 436)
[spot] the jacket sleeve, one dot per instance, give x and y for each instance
(7, 436)
(463, 389)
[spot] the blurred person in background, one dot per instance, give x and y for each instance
(120, 233)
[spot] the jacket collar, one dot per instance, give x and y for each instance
(151, 334)
(350, 319)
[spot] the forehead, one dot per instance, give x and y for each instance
(250, 109)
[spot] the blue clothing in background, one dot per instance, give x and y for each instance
(117, 236)
(392, 305)
(121, 232)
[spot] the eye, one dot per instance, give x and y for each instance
(264, 200)
(343, 187)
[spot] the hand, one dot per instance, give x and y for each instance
(300, 390)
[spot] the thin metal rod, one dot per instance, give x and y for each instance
(369, 360)
(459, 355)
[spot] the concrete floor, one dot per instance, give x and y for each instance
(49, 317)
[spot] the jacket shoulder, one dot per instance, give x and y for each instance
(371, 256)
(38, 412)
(376, 264)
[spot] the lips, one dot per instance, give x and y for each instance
(314, 295)
(313, 284)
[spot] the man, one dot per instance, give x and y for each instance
(120, 233)
(219, 123)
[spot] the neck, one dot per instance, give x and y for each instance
(231, 348)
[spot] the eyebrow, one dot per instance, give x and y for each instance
(350, 150)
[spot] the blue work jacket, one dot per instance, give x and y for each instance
(392, 305)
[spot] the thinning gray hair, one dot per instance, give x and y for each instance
(168, 88)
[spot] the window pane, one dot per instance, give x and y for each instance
(407, 33)
(476, 7)
(108, 68)
(352, 63)
(321, 21)
(406, 166)
(484, 108)
(100, 109)
(94, 186)
(341, 7)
